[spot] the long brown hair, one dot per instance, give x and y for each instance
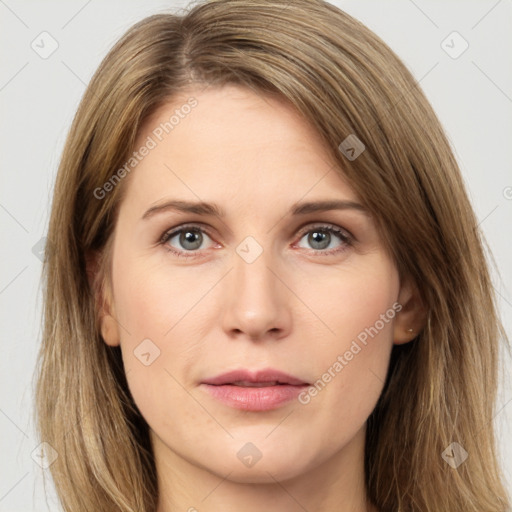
(344, 80)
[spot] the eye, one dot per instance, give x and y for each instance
(321, 237)
(188, 238)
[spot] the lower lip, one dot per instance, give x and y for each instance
(253, 398)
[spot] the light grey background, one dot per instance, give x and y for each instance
(472, 95)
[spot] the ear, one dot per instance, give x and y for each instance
(410, 320)
(104, 304)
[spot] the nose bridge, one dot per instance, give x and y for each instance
(251, 269)
(257, 303)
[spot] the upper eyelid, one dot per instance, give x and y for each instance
(311, 225)
(303, 229)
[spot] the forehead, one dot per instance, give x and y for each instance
(233, 143)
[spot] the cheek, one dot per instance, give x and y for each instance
(152, 302)
(356, 313)
(160, 332)
(346, 301)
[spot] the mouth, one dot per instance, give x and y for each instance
(254, 391)
(248, 384)
(259, 378)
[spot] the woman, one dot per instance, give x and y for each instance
(265, 287)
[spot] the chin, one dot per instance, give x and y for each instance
(263, 473)
(268, 464)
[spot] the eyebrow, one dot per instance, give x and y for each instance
(203, 208)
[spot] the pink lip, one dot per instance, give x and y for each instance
(263, 398)
(266, 375)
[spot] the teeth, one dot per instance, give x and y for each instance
(248, 384)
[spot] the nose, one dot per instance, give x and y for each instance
(258, 302)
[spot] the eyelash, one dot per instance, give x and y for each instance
(345, 238)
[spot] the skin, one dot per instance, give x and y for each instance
(294, 308)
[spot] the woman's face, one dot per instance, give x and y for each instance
(312, 294)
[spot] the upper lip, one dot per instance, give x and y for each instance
(263, 376)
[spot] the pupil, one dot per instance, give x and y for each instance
(318, 237)
(190, 237)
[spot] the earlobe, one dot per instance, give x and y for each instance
(103, 302)
(410, 320)
(109, 326)
(109, 330)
